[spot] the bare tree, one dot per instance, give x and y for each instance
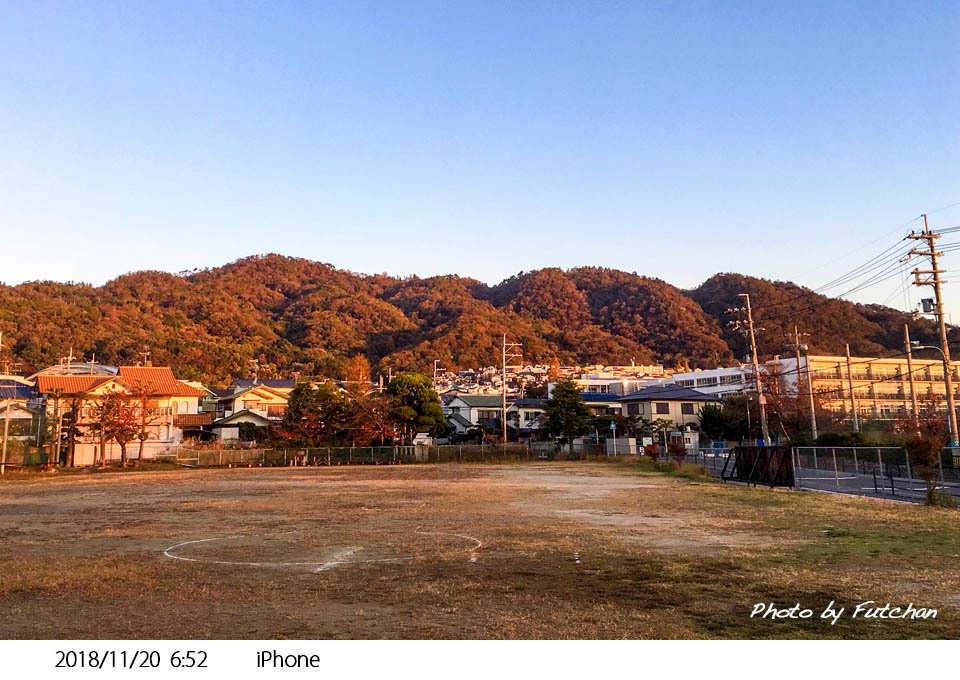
(114, 418)
(146, 415)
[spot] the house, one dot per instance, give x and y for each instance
(20, 421)
(171, 406)
(459, 424)
(602, 403)
(477, 409)
(282, 385)
(680, 405)
(526, 415)
(258, 405)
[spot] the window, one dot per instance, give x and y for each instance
(687, 409)
(686, 383)
(731, 379)
(485, 415)
(176, 406)
(706, 382)
(633, 409)
(250, 405)
(661, 408)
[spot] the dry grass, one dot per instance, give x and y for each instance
(659, 556)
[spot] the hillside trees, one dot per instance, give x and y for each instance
(310, 318)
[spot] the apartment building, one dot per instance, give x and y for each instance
(881, 385)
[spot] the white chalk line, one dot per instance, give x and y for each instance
(336, 560)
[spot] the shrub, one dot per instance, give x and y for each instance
(652, 450)
(924, 450)
(677, 451)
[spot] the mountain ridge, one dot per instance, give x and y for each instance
(297, 315)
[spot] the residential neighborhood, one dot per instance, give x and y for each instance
(62, 413)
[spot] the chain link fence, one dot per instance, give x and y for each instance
(876, 471)
(353, 455)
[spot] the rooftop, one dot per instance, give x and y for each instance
(668, 393)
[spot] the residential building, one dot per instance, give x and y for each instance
(477, 409)
(680, 405)
(881, 385)
(18, 412)
(720, 382)
(526, 416)
(602, 403)
(258, 405)
(282, 385)
(171, 404)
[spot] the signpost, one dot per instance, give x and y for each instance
(613, 429)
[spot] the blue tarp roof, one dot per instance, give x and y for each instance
(599, 396)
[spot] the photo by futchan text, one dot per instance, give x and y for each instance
(868, 610)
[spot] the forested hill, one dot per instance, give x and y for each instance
(296, 315)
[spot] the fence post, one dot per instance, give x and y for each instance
(816, 468)
(793, 467)
(798, 466)
(836, 475)
(909, 471)
(856, 465)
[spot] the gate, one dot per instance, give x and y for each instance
(770, 465)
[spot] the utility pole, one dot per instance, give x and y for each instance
(510, 351)
(913, 389)
(935, 281)
(6, 430)
(806, 366)
(756, 373)
(853, 396)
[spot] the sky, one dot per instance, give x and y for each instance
(792, 141)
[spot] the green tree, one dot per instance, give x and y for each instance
(713, 421)
(315, 414)
(417, 405)
(565, 415)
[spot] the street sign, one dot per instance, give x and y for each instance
(613, 425)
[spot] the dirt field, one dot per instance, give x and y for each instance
(584, 550)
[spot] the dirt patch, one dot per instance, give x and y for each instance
(446, 551)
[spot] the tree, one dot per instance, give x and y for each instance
(565, 415)
(676, 449)
(125, 426)
(314, 414)
(358, 374)
(417, 405)
(373, 417)
(713, 421)
(926, 435)
(113, 418)
(146, 414)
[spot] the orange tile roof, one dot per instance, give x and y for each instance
(159, 380)
(70, 384)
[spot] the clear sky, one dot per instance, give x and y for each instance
(675, 139)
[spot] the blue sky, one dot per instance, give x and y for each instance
(672, 139)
